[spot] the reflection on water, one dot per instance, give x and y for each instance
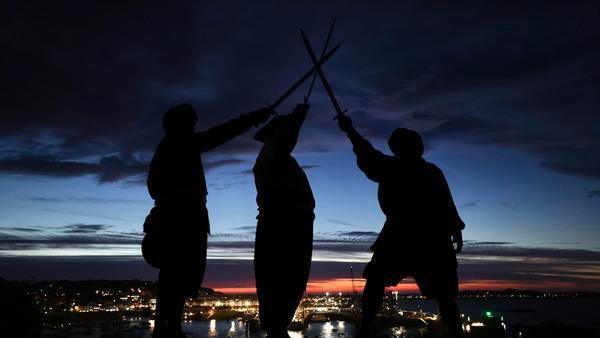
(578, 312)
(327, 330)
(237, 329)
(212, 328)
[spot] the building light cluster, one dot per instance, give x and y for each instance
(66, 302)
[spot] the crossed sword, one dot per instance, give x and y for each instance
(319, 72)
(315, 71)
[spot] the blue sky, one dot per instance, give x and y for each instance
(505, 96)
(526, 204)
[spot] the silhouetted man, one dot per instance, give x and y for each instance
(421, 225)
(176, 183)
(284, 231)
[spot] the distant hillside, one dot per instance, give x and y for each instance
(85, 287)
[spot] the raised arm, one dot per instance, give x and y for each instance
(369, 160)
(215, 136)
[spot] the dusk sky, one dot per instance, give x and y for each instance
(507, 99)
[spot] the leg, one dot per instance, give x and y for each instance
(273, 315)
(450, 316)
(186, 281)
(372, 299)
(284, 306)
(159, 319)
(174, 316)
(162, 306)
(169, 306)
(268, 280)
(279, 333)
(297, 272)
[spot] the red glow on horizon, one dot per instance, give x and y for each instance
(344, 285)
(237, 290)
(522, 285)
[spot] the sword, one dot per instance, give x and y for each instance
(303, 78)
(334, 101)
(312, 83)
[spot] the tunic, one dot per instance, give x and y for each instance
(420, 217)
(284, 233)
(177, 184)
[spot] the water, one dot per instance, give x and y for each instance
(210, 329)
(578, 312)
(236, 329)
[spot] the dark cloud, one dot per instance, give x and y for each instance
(242, 238)
(65, 237)
(487, 74)
(44, 199)
(84, 228)
(574, 160)
(470, 204)
(484, 85)
(510, 251)
(73, 199)
(66, 210)
(46, 167)
(219, 235)
(593, 194)
(537, 265)
(21, 229)
(486, 243)
(359, 233)
(340, 222)
(234, 243)
(7, 231)
(66, 241)
(245, 172)
(209, 165)
(246, 228)
(465, 127)
(107, 101)
(489, 261)
(225, 186)
(250, 172)
(345, 240)
(108, 169)
(501, 267)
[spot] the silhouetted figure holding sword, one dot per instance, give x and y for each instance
(421, 225)
(284, 231)
(422, 220)
(177, 227)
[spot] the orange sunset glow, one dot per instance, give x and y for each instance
(344, 285)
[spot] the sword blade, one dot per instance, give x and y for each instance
(304, 77)
(314, 78)
(334, 101)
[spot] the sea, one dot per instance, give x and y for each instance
(577, 312)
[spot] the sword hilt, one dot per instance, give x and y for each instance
(340, 113)
(270, 106)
